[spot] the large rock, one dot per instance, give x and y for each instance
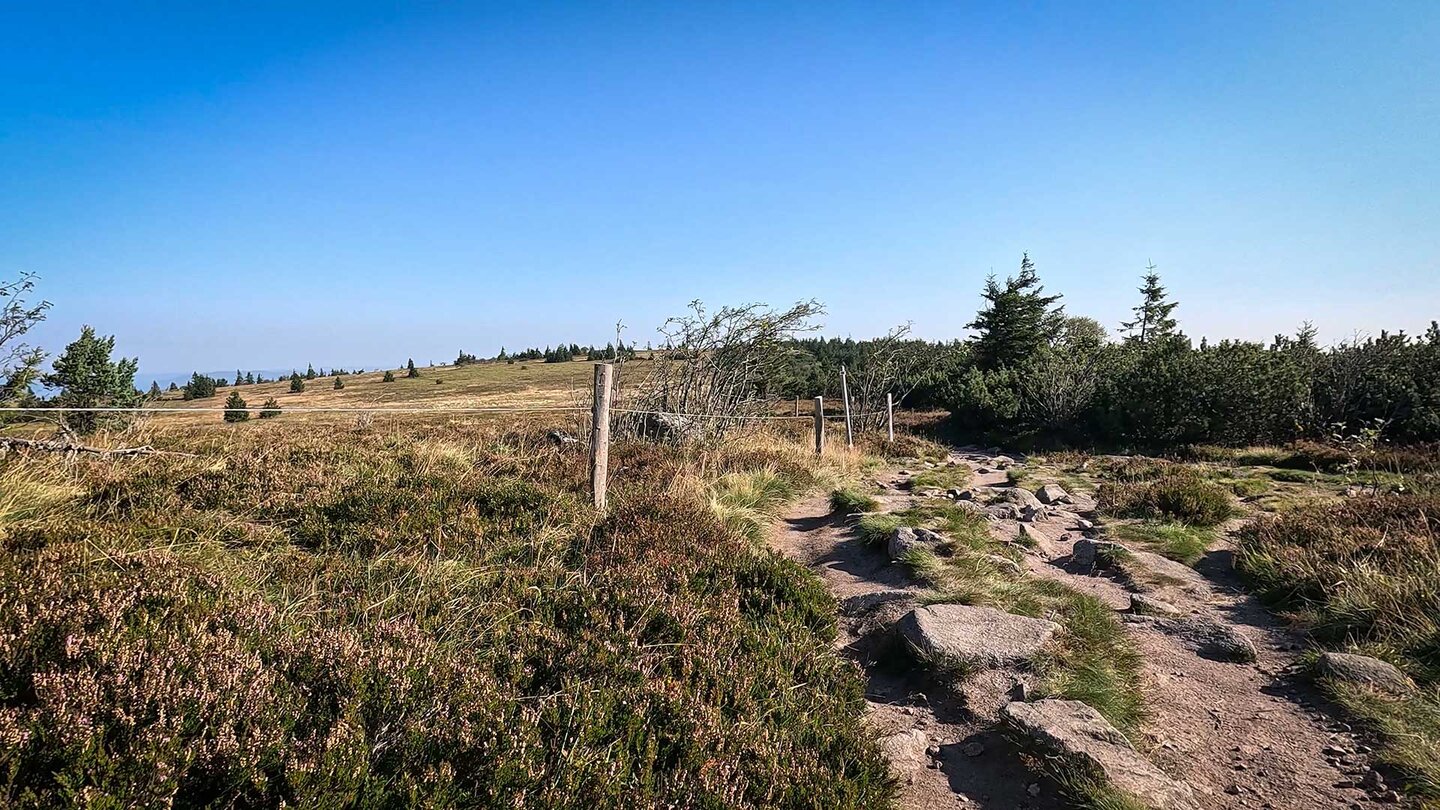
(974, 638)
(1362, 669)
(1081, 739)
(1052, 493)
(1019, 497)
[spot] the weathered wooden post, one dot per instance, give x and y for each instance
(845, 394)
(890, 415)
(819, 426)
(600, 434)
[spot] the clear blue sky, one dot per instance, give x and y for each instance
(264, 184)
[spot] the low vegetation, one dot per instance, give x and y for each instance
(1178, 541)
(1364, 574)
(850, 500)
(429, 614)
(1179, 495)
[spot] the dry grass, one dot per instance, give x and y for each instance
(1365, 574)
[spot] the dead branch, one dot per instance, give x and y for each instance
(60, 445)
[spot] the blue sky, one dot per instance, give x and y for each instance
(268, 184)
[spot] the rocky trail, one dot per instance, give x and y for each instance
(1230, 723)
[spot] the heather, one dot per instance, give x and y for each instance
(428, 614)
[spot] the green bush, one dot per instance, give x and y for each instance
(1179, 495)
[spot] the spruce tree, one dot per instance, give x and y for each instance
(249, 378)
(155, 392)
(1017, 321)
(297, 383)
(173, 387)
(270, 409)
(239, 380)
(235, 408)
(410, 370)
(389, 376)
(339, 383)
(310, 372)
(1152, 317)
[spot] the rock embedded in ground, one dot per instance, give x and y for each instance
(1003, 511)
(1209, 638)
(863, 603)
(1019, 497)
(1143, 605)
(1366, 671)
(1081, 739)
(1087, 552)
(906, 750)
(1052, 493)
(974, 638)
(1001, 462)
(905, 539)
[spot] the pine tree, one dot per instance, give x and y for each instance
(87, 378)
(270, 409)
(1018, 319)
(389, 377)
(297, 383)
(1152, 317)
(339, 383)
(235, 408)
(410, 370)
(249, 378)
(155, 392)
(239, 380)
(173, 387)
(310, 373)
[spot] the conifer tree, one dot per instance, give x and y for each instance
(270, 409)
(339, 383)
(88, 378)
(1017, 321)
(410, 370)
(235, 408)
(297, 383)
(173, 387)
(1152, 317)
(389, 376)
(239, 380)
(249, 378)
(155, 392)
(310, 372)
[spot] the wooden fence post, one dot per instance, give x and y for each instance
(600, 434)
(819, 426)
(845, 394)
(890, 415)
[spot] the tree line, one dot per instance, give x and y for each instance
(1030, 372)
(1033, 373)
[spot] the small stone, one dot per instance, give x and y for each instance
(1233, 789)
(1033, 789)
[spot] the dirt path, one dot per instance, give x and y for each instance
(1242, 735)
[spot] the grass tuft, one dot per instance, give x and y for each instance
(849, 500)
